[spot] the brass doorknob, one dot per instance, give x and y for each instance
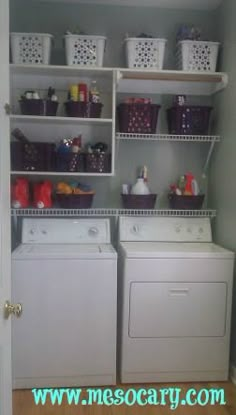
(15, 309)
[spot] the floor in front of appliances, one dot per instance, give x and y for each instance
(23, 403)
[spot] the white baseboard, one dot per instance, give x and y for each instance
(232, 373)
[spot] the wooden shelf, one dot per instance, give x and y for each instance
(170, 82)
(60, 173)
(37, 119)
(61, 70)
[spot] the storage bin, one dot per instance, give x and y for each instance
(83, 109)
(38, 107)
(73, 201)
(185, 202)
(190, 120)
(197, 55)
(32, 157)
(31, 48)
(138, 118)
(70, 162)
(138, 201)
(84, 50)
(145, 53)
(98, 162)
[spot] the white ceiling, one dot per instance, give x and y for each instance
(173, 4)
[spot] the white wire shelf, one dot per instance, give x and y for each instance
(210, 213)
(168, 137)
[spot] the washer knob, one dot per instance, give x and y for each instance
(135, 229)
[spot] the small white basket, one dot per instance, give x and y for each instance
(145, 53)
(197, 55)
(84, 50)
(31, 48)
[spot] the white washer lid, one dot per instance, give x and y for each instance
(174, 250)
(62, 251)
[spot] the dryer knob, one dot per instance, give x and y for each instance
(93, 231)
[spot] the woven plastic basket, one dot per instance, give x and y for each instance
(197, 55)
(138, 201)
(84, 50)
(189, 119)
(31, 48)
(138, 118)
(145, 53)
(186, 202)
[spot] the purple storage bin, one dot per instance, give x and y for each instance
(185, 202)
(83, 109)
(33, 156)
(138, 201)
(70, 162)
(138, 118)
(98, 162)
(189, 119)
(73, 201)
(38, 107)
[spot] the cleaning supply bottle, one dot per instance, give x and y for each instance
(188, 186)
(140, 187)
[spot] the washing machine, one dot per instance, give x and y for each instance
(175, 304)
(65, 275)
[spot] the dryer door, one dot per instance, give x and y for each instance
(159, 309)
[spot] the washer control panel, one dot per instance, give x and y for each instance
(66, 231)
(165, 229)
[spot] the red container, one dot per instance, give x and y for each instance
(138, 201)
(185, 202)
(38, 107)
(73, 201)
(83, 109)
(138, 118)
(190, 120)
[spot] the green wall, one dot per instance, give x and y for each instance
(223, 168)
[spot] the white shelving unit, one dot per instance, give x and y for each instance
(114, 81)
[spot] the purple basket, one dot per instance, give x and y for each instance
(73, 201)
(38, 107)
(138, 201)
(192, 120)
(83, 109)
(33, 156)
(98, 162)
(138, 118)
(185, 202)
(70, 162)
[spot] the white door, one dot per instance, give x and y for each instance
(5, 292)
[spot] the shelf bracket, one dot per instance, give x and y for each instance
(209, 156)
(119, 76)
(223, 84)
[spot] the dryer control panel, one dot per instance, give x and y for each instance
(72, 231)
(165, 229)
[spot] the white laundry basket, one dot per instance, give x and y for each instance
(31, 48)
(84, 50)
(145, 53)
(197, 55)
